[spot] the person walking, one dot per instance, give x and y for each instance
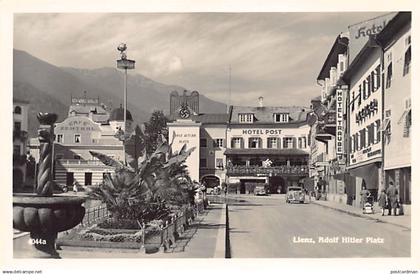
(382, 201)
(75, 187)
(365, 194)
(392, 193)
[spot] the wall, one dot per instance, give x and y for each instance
(374, 151)
(187, 132)
(398, 149)
(265, 131)
(211, 152)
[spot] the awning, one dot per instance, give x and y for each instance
(266, 151)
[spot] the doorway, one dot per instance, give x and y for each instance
(88, 178)
(69, 178)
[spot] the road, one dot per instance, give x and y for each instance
(267, 227)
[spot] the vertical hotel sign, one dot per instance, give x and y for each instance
(339, 136)
(360, 32)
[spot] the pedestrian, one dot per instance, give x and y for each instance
(364, 194)
(75, 187)
(392, 193)
(382, 201)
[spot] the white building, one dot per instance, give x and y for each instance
(395, 39)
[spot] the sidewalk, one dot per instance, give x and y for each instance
(403, 221)
(203, 239)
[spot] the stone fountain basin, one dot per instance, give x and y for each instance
(39, 214)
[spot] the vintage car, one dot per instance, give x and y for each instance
(295, 194)
(260, 190)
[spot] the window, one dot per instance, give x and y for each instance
(371, 134)
(359, 101)
(18, 110)
(389, 76)
(77, 138)
(363, 138)
(272, 142)
(356, 141)
(302, 142)
(219, 163)
(281, 117)
(288, 142)
(16, 149)
(407, 61)
(407, 125)
(376, 131)
(246, 118)
(17, 126)
(59, 138)
(351, 144)
(203, 162)
(236, 142)
(203, 142)
(218, 142)
(254, 142)
(364, 89)
(378, 77)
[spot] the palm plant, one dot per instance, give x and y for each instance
(146, 192)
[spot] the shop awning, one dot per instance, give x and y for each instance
(266, 151)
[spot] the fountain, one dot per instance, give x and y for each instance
(41, 213)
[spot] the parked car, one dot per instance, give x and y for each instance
(260, 190)
(295, 194)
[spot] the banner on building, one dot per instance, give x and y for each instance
(359, 33)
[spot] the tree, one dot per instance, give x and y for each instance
(154, 129)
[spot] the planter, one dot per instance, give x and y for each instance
(153, 241)
(44, 217)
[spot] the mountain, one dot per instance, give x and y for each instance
(49, 89)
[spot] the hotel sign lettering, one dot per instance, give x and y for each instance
(261, 132)
(340, 127)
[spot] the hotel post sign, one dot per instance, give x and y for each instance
(339, 136)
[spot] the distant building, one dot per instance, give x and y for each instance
(90, 126)
(20, 138)
(246, 147)
(267, 145)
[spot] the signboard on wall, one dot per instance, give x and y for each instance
(339, 137)
(360, 32)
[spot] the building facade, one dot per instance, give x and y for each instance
(266, 146)
(395, 40)
(244, 148)
(20, 139)
(90, 126)
(328, 126)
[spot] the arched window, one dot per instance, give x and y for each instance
(18, 110)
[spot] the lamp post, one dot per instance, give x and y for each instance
(124, 64)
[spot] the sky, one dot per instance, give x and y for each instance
(274, 55)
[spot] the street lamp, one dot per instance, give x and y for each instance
(124, 64)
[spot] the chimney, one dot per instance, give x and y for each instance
(260, 101)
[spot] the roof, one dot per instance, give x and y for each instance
(211, 118)
(265, 151)
(205, 118)
(360, 58)
(339, 47)
(117, 114)
(264, 115)
(386, 36)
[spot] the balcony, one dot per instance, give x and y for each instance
(268, 171)
(322, 134)
(77, 162)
